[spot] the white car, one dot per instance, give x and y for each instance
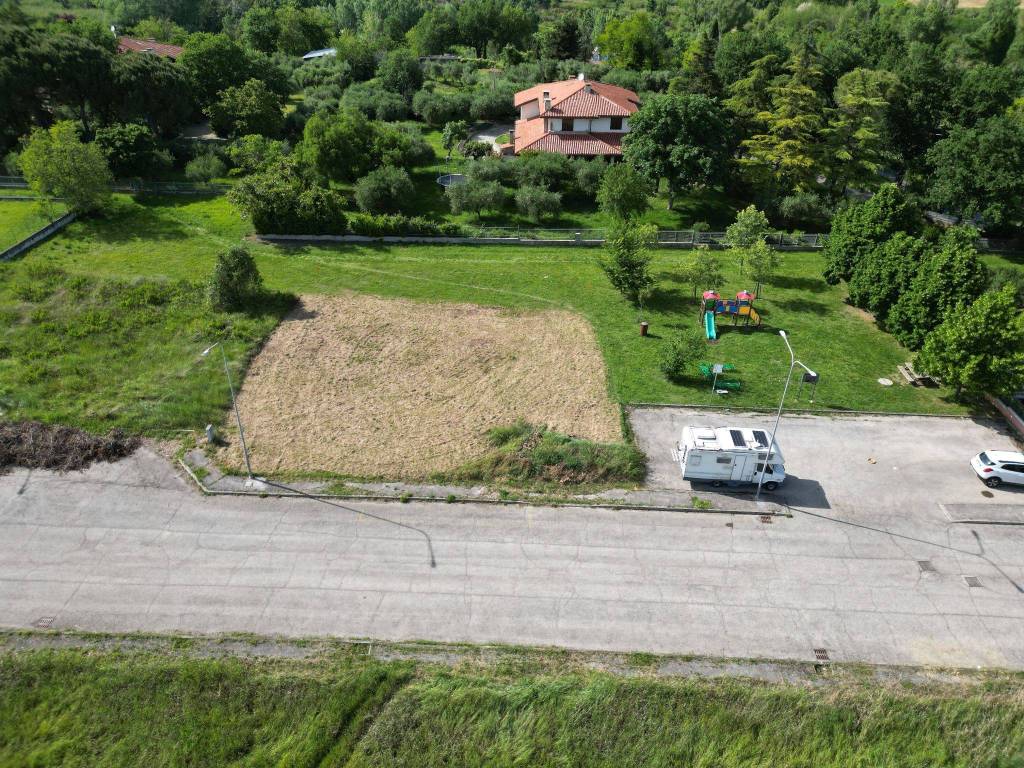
(997, 467)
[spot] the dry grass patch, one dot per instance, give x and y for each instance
(372, 387)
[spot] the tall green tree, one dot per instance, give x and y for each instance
(980, 171)
(951, 276)
(886, 272)
(855, 135)
(751, 96)
(698, 74)
(623, 192)
(979, 347)
(760, 264)
(999, 20)
(786, 156)
(627, 261)
(680, 138)
(635, 42)
(748, 230)
(704, 272)
(58, 164)
(861, 227)
(250, 108)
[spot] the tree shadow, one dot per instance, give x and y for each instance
(815, 284)
(803, 305)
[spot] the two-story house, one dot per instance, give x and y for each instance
(578, 117)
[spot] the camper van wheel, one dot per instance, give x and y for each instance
(770, 486)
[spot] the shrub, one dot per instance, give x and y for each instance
(387, 225)
(400, 72)
(490, 169)
(438, 109)
(589, 175)
(681, 354)
(204, 167)
(249, 108)
(545, 169)
(476, 197)
(375, 102)
(385, 190)
(278, 201)
(527, 454)
(492, 104)
(627, 261)
(538, 202)
(131, 150)
(236, 280)
(623, 192)
(476, 149)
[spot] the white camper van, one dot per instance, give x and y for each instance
(730, 455)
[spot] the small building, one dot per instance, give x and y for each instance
(134, 45)
(578, 118)
(320, 53)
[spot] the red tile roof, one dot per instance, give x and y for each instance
(575, 144)
(582, 98)
(125, 44)
(582, 104)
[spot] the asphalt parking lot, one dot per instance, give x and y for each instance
(878, 467)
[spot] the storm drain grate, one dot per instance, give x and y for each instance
(926, 566)
(766, 519)
(821, 654)
(972, 581)
(43, 622)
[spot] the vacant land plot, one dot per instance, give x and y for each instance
(361, 385)
(19, 219)
(180, 238)
(149, 709)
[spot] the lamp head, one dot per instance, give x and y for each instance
(782, 334)
(207, 351)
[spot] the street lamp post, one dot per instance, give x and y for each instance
(234, 404)
(793, 363)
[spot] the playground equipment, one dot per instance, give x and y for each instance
(742, 306)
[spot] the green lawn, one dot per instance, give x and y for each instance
(106, 709)
(178, 238)
(103, 353)
(20, 218)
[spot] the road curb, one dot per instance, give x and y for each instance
(206, 491)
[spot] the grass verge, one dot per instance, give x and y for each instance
(101, 354)
(134, 708)
(20, 218)
(525, 455)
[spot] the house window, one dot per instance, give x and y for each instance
(581, 124)
(616, 123)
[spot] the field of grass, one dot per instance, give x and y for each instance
(20, 218)
(179, 238)
(100, 353)
(95, 709)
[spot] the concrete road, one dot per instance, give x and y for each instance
(902, 471)
(131, 547)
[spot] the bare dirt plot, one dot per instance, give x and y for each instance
(366, 386)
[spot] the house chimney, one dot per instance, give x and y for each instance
(581, 76)
(547, 105)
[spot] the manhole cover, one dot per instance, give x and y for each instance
(44, 622)
(821, 654)
(926, 566)
(885, 382)
(987, 494)
(728, 525)
(972, 581)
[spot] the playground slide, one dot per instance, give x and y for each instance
(754, 317)
(709, 326)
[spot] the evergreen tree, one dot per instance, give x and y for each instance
(854, 136)
(787, 156)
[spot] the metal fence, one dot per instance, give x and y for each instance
(667, 237)
(136, 186)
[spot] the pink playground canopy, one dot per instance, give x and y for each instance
(711, 294)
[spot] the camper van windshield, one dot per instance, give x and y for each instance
(767, 469)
